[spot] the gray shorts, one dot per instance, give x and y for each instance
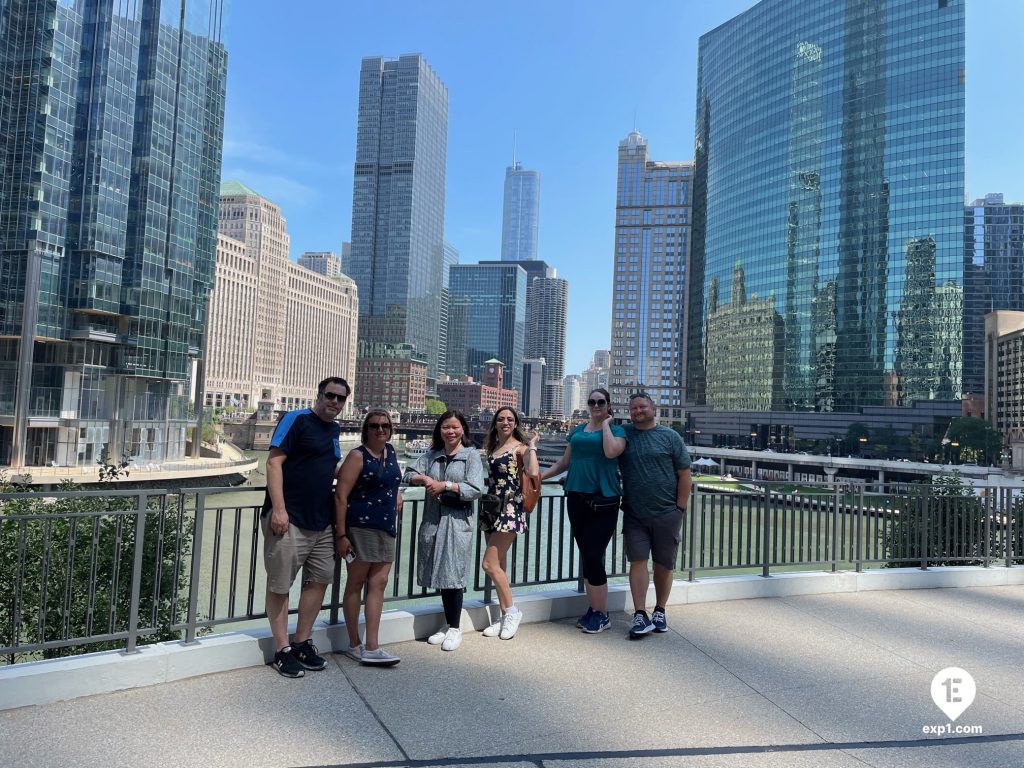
(659, 537)
(283, 556)
(371, 545)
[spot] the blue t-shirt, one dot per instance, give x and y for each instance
(371, 502)
(312, 449)
(590, 471)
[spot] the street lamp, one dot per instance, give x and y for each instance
(753, 436)
(956, 454)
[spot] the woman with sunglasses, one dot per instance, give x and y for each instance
(593, 492)
(366, 504)
(452, 475)
(502, 515)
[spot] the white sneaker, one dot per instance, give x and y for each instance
(438, 637)
(492, 631)
(452, 639)
(354, 652)
(509, 624)
(378, 658)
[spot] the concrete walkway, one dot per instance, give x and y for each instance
(825, 680)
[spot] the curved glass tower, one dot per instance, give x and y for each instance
(828, 207)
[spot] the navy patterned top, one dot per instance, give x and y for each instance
(371, 503)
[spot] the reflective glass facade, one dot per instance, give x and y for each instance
(396, 257)
(520, 221)
(111, 129)
(828, 205)
(993, 274)
(487, 320)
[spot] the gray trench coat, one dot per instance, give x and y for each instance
(445, 538)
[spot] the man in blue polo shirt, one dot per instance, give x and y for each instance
(296, 522)
(656, 485)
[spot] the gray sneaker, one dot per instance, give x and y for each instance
(378, 657)
(354, 652)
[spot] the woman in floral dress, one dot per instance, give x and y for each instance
(502, 516)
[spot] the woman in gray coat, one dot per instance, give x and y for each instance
(452, 475)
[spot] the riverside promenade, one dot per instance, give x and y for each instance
(840, 679)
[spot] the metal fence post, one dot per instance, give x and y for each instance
(335, 592)
(133, 612)
(691, 523)
(765, 531)
(859, 546)
(193, 584)
(925, 509)
(989, 507)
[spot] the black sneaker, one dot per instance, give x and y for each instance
(659, 621)
(641, 625)
(305, 653)
(286, 663)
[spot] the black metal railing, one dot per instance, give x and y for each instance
(102, 569)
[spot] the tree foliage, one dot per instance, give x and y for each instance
(66, 566)
(978, 439)
(435, 407)
(947, 521)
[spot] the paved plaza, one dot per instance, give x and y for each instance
(823, 680)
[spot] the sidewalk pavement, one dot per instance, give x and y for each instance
(825, 680)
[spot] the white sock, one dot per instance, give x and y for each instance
(512, 609)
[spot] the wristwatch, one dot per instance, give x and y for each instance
(447, 485)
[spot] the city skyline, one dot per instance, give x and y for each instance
(568, 128)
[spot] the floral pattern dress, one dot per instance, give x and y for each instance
(502, 510)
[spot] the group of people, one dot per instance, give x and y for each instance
(306, 523)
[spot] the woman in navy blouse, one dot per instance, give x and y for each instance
(366, 504)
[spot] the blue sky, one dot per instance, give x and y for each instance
(568, 75)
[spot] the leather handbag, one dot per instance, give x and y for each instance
(529, 486)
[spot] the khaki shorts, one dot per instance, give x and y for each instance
(283, 556)
(371, 545)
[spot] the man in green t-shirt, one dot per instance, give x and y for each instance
(656, 485)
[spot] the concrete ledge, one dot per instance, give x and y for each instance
(44, 682)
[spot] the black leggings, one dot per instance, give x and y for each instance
(593, 521)
(451, 599)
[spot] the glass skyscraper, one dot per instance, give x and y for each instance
(397, 257)
(652, 242)
(828, 206)
(993, 275)
(111, 130)
(520, 221)
(487, 319)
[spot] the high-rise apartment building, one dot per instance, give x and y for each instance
(570, 395)
(532, 392)
(326, 263)
(520, 221)
(830, 168)
(993, 274)
(276, 329)
(487, 320)
(398, 203)
(652, 246)
(596, 374)
(111, 128)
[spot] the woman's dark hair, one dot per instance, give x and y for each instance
(607, 397)
(491, 441)
(365, 434)
(438, 443)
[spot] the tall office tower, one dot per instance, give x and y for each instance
(487, 320)
(276, 328)
(111, 128)
(398, 203)
(830, 168)
(652, 245)
(596, 375)
(993, 274)
(547, 298)
(532, 392)
(326, 263)
(521, 214)
(570, 395)
(451, 257)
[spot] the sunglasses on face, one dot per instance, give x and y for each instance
(335, 396)
(596, 403)
(382, 426)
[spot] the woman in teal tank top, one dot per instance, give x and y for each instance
(593, 492)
